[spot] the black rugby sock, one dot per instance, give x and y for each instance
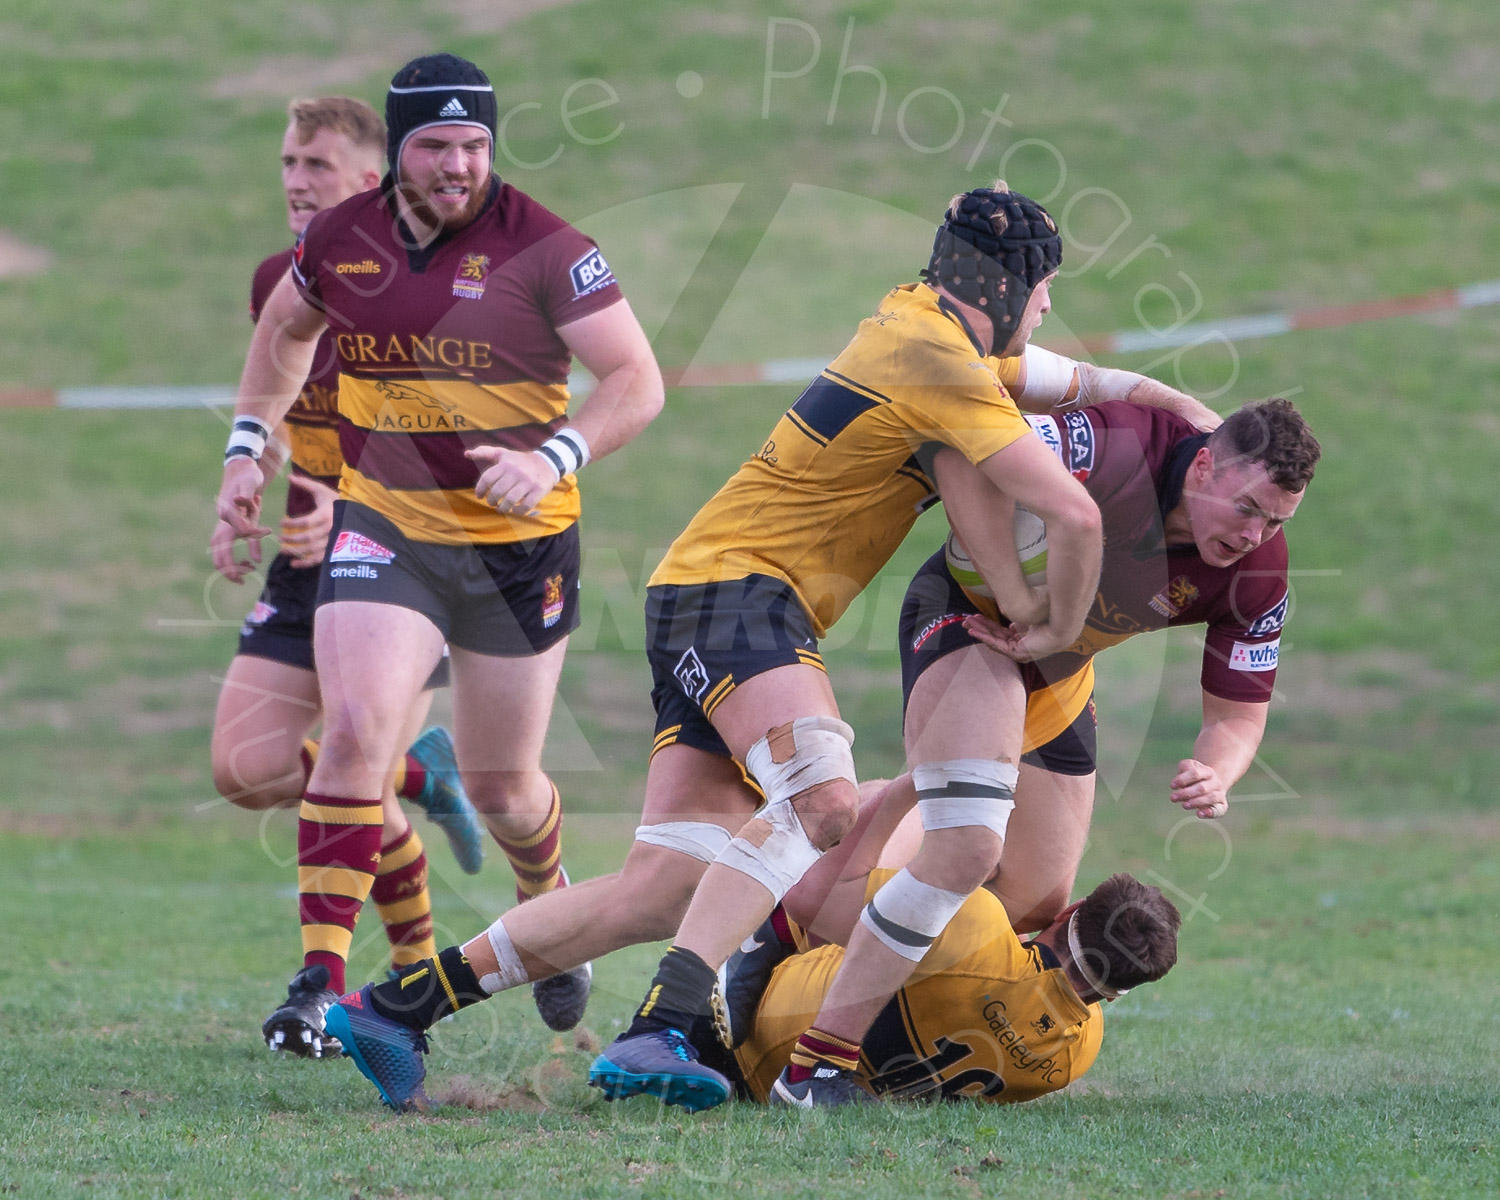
(426, 993)
(677, 996)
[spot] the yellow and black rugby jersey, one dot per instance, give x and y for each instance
(313, 420)
(828, 498)
(450, 347)
(984, 1017)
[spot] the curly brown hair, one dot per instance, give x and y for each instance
(1127, 932)
(1273, 434)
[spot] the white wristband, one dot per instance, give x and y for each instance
(247, 439)
(566, 450)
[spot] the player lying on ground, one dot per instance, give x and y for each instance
(984, 1016)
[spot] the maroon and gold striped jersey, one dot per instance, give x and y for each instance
(448, 347)
(313, 420)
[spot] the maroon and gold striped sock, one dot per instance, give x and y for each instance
(338, 852)
(309, 757)
(816, 1048)
(537, 859)
(401, 898)
(410, 779)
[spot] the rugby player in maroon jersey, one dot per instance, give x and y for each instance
(1192, 533)
(456, 304)
(269, 702)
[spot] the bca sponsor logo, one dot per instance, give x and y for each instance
(1046, 429)
(590, 273)
(1254, 658)
(1270, 621)
(356, 547)
(691, 674)
(1080, 445)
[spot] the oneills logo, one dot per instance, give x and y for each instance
(468, 281)
(368, 267)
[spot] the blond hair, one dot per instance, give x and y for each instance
(355, 119)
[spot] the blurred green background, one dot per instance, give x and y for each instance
(758, 175)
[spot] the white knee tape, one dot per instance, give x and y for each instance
(511, 973)
(702, 840)
(773, 849)
(966, 791)
(796, 758)
(907, 914)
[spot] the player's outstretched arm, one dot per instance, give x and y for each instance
(1047, 382)
(1224, 749)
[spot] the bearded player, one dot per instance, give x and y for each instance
(269, 702)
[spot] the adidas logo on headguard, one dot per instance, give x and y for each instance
(453, 109)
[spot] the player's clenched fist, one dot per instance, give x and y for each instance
(512, 481)
(1198, 788)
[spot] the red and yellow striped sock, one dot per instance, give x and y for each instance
(401, 898)
(816, 1048)
(338, 852)
(309, 758)
(537, 859)
(410, 779)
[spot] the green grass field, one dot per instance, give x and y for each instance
(1332, 1027)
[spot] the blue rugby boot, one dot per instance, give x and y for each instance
(386, 1052)
(444, 800)
(663, 1064)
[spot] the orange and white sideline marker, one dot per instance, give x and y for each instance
(797, 370)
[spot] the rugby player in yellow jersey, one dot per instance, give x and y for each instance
(735, 609)
(269, 701)
(985, 1017)
(456, 304)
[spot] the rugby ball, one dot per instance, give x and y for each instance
(1031, 545)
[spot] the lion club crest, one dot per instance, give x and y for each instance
(552, 601)
(1175, 597)
(468, 280)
